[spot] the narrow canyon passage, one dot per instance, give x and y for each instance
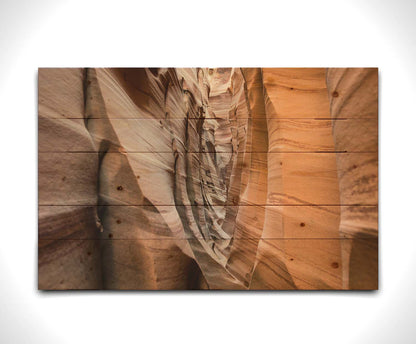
(199, 178)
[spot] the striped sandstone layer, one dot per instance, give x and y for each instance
(198, 178)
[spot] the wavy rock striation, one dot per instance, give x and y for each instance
(197, 178)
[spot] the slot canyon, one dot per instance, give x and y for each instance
(208, 178)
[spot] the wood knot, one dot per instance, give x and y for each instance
(118, 221)
(335, 265)
(302, 224)
(335, 94)
(119, 188)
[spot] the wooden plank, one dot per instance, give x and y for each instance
(152, 135)
(300, 178)
(221, 222)
(293, 93)
(307, 264)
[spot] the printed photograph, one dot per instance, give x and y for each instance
(208, 178)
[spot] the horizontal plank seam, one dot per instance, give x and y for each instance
(214, 205)
(196, 238)
(182, 118)
(210, 152)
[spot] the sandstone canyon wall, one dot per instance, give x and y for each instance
(199, 178)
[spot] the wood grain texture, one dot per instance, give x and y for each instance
(289, 135)
(131, 222)
(296, 93)
(353, 94)
(67, 264)
(215, 179)
(197, 178)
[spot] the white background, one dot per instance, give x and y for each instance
(212, 33)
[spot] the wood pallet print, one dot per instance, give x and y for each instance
(208, 178)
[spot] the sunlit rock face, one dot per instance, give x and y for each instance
(196, 178)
